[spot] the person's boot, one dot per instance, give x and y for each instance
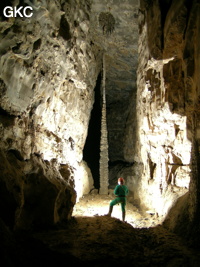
(110, 211)
(123, 215)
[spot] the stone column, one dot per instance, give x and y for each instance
(104, 140)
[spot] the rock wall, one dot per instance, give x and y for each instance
(48, 71)
(168, 109)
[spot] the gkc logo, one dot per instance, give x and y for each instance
(21, 11)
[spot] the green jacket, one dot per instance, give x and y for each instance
(121, 191)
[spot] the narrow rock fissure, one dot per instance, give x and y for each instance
(91, 151)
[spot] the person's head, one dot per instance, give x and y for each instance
(121, 181)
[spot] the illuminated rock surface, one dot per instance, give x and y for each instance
(166, 108)
(49, 69)
(48, 72)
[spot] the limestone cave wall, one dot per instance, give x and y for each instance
(168, 111)
(48, 71)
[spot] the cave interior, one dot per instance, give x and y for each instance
(58, 131)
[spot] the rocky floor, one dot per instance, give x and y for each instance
(95, 239)
(98, 205)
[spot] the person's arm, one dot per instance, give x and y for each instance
(127, 191)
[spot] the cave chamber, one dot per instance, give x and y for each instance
(50, 110)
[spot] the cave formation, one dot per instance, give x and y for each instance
(50, 115)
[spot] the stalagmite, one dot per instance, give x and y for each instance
(104, 140)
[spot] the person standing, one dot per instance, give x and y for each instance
(120, 191)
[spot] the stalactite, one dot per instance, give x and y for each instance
(104, 140)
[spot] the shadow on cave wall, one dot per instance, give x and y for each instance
(91, 151)
(33, 200)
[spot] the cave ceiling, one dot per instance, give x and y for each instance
(119, 44)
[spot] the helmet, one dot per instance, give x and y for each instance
(121, 180)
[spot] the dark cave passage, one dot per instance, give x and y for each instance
(91, 152)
